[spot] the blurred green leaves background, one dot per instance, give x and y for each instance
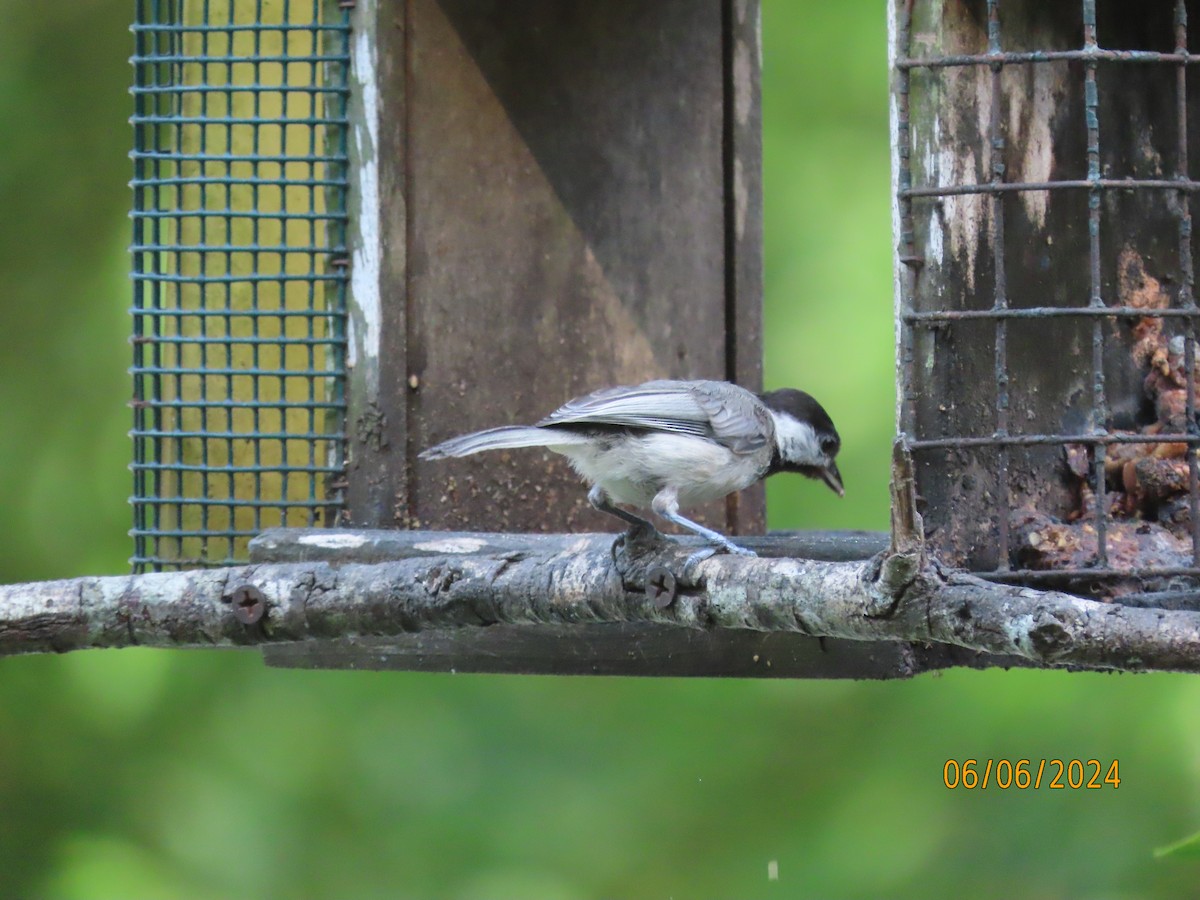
(195, 775)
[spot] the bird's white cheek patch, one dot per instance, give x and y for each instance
(797, 440)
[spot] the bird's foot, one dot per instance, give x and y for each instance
(636, 537)
(708, 553)
(739, 551)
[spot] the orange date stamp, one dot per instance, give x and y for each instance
(1031, 774)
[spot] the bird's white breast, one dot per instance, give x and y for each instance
(633, 469)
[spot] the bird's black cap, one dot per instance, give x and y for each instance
(803, 408)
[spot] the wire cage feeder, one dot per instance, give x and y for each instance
(238, 273)
(1045, 286)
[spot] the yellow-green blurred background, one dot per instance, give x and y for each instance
(178, 775)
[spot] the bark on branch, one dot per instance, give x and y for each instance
(454, 581)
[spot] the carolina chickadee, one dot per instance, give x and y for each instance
(664, 444)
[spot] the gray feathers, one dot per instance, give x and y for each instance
(738, 420)
(507, 438)
(722, 412)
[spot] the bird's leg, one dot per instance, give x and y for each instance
(600, 501)
(666, 504)
(638, 527)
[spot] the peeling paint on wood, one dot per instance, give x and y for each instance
(365, 323)
(332, 541)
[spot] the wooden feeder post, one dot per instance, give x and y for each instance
(549, 196)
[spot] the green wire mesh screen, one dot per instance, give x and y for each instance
(238, 273)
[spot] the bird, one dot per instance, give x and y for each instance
(667, 445)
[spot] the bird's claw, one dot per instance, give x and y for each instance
(694, 560)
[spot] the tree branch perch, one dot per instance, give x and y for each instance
(460, 581)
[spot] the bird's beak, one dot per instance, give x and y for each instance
(832, 477)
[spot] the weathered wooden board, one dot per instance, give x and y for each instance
(279, 545)
(622, 649)
(642, 650)
(569, 197)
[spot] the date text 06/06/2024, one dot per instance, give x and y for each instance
(1025, 774)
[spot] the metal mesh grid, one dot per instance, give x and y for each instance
(1176, 191)
(238, 273)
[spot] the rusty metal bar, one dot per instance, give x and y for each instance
(1022, 440)
(907, 250)
(1187, 298)
(1087, 54)
(1107, 184)
(999, 285)
(1091, 99)
(939, 316)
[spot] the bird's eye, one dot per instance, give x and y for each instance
(829, 446)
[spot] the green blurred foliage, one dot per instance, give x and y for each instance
(132, 774)
(1188, 847)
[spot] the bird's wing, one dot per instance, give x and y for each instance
(712, 409)
(737, 417)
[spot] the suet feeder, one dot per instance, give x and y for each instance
(1045, 286)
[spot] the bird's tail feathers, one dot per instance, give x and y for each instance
(506, 438)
